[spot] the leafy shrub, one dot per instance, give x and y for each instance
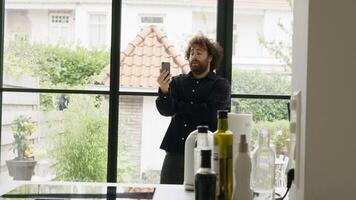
(60, 65)
(80, 153)
(253, 82)
(71, 66)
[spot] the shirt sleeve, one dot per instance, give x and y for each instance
(219, 99)
(166, 103)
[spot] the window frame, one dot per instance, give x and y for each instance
(225, 10)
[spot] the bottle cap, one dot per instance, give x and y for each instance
(202, 129)
(222, 114)
(243, 146)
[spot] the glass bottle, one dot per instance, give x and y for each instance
(263, 169)
(223, 140)
(205, 178)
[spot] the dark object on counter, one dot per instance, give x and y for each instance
(205, 178)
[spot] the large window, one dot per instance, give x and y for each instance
(57, 85)
(54, 104)
(52, 45)
(65, 135)
(261, 62)
(158, 35)
(261, 71)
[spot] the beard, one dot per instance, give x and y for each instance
(198, 67)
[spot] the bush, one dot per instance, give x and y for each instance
(61, 66)
(80, 153)
(253, 82)
(71, 66)
(265, 109)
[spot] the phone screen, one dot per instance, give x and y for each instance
(165, 66)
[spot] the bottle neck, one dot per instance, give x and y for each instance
(222, 124)
(205, 163)
(202, 139)
(263, 141)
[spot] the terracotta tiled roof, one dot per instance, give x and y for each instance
(140, 62)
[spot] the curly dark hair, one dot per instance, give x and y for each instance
(214, 49)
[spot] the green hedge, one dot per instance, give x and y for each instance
(56, 65)
(254, 82)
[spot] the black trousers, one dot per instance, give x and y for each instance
(172, 169)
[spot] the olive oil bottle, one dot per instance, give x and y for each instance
(223, 140)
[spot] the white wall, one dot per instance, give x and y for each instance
(299, 83)
(154, 127)
(327, 75)
(82, 17)
(39, 25)
(173, 18)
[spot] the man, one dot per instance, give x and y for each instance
(191, 100)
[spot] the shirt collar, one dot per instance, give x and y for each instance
(211, 75)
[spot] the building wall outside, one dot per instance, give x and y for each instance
(153, 130)
(130, 116)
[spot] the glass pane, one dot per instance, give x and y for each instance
(152, 32)
(141, 131)
(271, 115)
(62, 136)
(262, 47)
(50, 45)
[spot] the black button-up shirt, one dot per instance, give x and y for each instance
(191, 102)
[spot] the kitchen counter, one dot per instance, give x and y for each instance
(162, 192)
(172, 192)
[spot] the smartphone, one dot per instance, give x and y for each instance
(165, 66)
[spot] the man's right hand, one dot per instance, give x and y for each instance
(163, 81)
